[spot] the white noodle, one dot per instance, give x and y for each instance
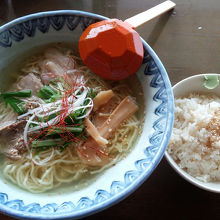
(50, 168)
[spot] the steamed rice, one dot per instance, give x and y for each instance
(195, 141)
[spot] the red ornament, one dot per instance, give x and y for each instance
(112, 49)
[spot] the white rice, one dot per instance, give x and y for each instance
(189, 141)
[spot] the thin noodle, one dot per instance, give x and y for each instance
(50, 168)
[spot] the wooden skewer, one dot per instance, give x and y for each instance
(150, 14)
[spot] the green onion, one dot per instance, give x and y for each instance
(48, 118)
(53, 98)
(47, 143)
(46, 92)
(59, 130)
(72, 117)
(71, 120)
(42, 145)
(49, 94)
(22, 93)
(16, 104)
(52, 82)
(92, 94)
(86, 102)
(62, 148)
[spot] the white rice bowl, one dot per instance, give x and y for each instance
(188, 151)
(188, 143)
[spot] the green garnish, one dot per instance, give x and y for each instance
(72, 118)
(43, 145)
(49, 93)
(211, 81)
(47, 143)
(48, 118)
(22, 93)
(16, 104)
(62, 148)
(92, 94)
(60, 130)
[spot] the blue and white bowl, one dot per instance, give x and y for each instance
(22, 34)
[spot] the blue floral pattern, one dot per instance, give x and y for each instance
(28, 28)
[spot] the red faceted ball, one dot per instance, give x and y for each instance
(112, 49)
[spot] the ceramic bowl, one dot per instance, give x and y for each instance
(194, 84)
(22, 34)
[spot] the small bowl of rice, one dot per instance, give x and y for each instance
(194, 147)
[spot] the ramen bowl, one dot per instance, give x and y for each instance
(183, 88)
(117, 182)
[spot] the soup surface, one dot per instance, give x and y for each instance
(61, 123)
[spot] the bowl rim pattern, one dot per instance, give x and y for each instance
(153, 153)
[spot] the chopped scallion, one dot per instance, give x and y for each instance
(21, 93)
(59, 130)
(47, 143)
(49, 94)
(16, 104)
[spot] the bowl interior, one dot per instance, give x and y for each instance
(17, 38)
(194, 84)
(182, 88)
